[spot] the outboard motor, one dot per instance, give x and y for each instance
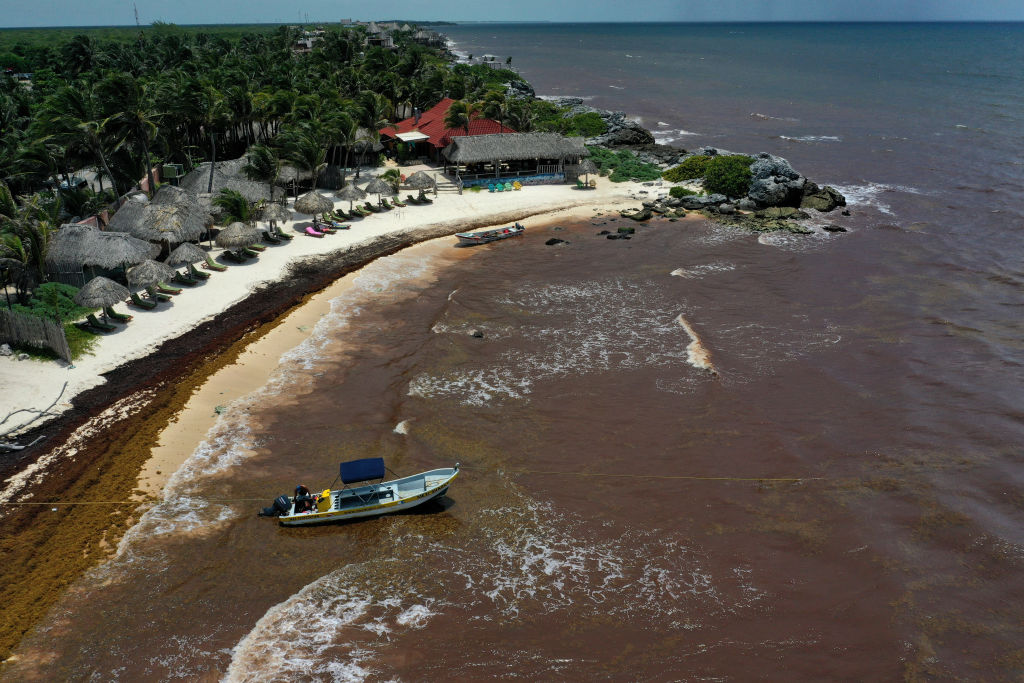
(282, 506)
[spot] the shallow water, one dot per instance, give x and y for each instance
(696, 453)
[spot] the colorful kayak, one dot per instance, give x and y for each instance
(383, 497)
(491, 235)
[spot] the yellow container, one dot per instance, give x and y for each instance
(324, 504)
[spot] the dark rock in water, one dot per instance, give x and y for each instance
(605, 232)
(627, 230)
(775, 212)
(631, 136)
(642, 215)
(558, 227)
(522, 89)
(846, 212)
(822, 199)
(834, 228)
(774, 182)
(626, 237)
(672, 220)
(476, 333)
(555, 240)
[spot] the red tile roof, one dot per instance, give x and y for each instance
(432, 124)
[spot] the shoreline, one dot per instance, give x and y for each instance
(103, 448)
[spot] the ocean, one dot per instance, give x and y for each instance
(698, 454)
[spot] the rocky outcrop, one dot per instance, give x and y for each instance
(822, 199)
(785, 212)
(775, 182)
(643, 214)
(622, 131)
(520, 89)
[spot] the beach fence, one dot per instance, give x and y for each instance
(18, 328)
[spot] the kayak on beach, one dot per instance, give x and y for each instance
(379, 498)
(491, 235)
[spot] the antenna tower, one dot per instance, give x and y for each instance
(136, 7)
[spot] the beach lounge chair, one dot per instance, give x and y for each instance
(184, 279)
(283, 235)
(165, 288)
(579, 184)
(409, 199)
(498, 187)
(99, 324)
(508, 187)
(115, 316)
(490, 187)
(517, 185)
(424, 199)
(337, 225)
(156, 295)
(210, 264)
(138, 301)
(236, 256)
(257, 247)
(371, 208)
(312, 232)
(272, 239)
(196, 273)
(397, 202)
(247, 252)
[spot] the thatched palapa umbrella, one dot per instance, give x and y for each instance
(238, 236)
(350, 193)
(76, 246)
(101, 292)
(184, 254)
(273, 213)
(379, 187)
(420, 180)
(149, 273)
(313, 203)
(587, 167)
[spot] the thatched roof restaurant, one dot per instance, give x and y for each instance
(542, 157)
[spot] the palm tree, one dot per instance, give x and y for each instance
(263, 165)
(133, 115)
(234, 206)
(459, 115)
(495, 106)
(304, 147)
(73, 115)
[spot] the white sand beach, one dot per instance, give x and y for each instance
(39, 383)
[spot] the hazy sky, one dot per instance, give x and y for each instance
(120, 12)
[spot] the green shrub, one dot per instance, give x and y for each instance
(54, 301)
(622, 165)
(680, 191)
(729, 175)
(692, 167)
(588, 125)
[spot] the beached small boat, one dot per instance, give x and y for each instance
(492, 235)
(383, 497)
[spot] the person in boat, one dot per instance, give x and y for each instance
(304, 500)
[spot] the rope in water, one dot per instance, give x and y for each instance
(682, 477)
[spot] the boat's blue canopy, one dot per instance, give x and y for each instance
(362, 470)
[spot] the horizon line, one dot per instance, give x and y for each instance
(455, 22)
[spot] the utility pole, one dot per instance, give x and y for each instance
(136, 7)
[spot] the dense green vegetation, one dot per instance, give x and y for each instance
(692, 167)
(55, 301)
(729, 175)
(680, 191)
(622, 165)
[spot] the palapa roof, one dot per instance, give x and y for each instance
(185, 253)
(378, 186)
(473, 149)
(288, 173)
(149, 273)
(226, 174)
(431, 124)
(313, 203)
(173, 214)
(129, 214)
(101, 291)
(75, 246)
(238, 235)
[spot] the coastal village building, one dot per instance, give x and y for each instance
(427, 135)
(529, 158)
